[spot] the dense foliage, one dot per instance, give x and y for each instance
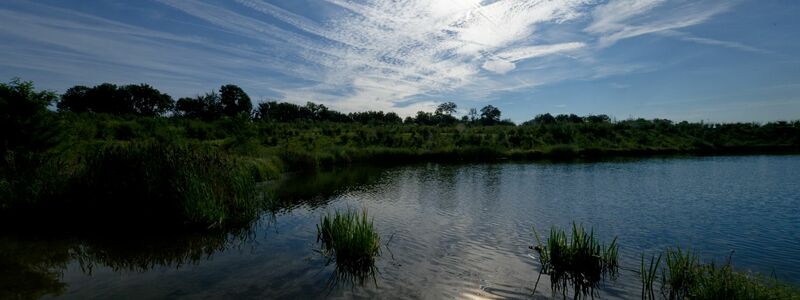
(141, 99)
(216, 146)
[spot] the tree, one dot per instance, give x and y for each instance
(447, 108)
(490, 115)
(142, 99)
(189, 107)
(234, 100)
(281, 112)
(597, 119)
(473, 114)
(25, 122)
(107, 98)
(571, 118)
(377, 117)
(206, 107)
(74, 100)
(146, 100)
(392, 118)
(543, 119)
(424, 118)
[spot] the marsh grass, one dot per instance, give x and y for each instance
(680, 274)
(683, 276)
(723, 282)
(152, 182)
(350, 240)
(579, 260)
(648, 276)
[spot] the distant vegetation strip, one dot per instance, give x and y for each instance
(110, 151)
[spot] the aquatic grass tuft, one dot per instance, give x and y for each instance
(680, 273)
(350, 239)
(723, 282)
(579, 261)
(683, 276)
(648, 276)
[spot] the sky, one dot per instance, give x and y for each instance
(695, 60)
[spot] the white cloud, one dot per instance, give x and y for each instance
(622, 19)
(713, 42)
(521, 53)
(499, 66)
(368, 54)
(389, 51)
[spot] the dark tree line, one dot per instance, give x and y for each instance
(231, 101)
(141, 99)
(546, 119)
(273, 111)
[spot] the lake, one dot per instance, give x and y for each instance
(450, 231)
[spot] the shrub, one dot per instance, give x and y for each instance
(165, 181)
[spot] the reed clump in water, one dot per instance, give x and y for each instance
(350, 239)
(579, 260)
(683, 276)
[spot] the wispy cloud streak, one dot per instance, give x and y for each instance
(365, 54)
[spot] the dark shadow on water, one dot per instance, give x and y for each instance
(351, 275)
(32, 263)
(34, 254)
(318, 188)
(30, 270)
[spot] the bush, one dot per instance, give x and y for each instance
(158, 181)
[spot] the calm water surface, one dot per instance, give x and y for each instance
(458, 231)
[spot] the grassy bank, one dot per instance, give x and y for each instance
(142, 184)
(306, 145)
(93, 164)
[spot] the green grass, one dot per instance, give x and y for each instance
(152, 181)
(723, 282)
(44, 151)
(685, 277)
(350, 239)
(680, 273)
(648, 276)
(579, 260)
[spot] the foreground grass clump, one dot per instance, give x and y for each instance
(579, 260)
(647, 273)
(350, 239)
(165, 181)
(683, 276)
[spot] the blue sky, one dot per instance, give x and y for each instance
(717, 61)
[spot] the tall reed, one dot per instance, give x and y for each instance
(648, 276)
(152, 182)
(683, 276)
(580, 260)
(351, 240)
(680, 273)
